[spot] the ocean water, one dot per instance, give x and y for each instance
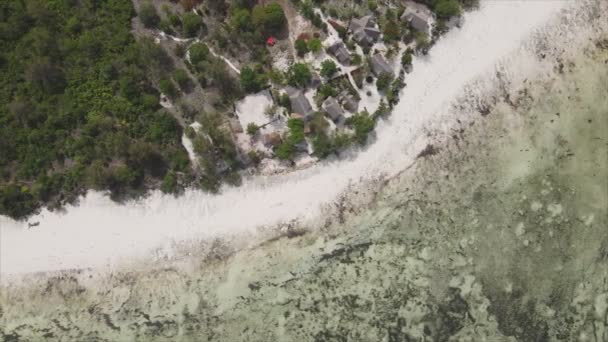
(498, 233)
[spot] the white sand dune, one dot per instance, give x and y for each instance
(99, 232)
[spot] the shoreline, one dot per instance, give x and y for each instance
(153, 211)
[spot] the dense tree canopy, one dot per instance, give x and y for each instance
(77, 107)
(269, 18)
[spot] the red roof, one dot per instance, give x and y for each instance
(270, 41)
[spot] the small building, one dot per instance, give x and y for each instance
(418, 16)
(340, 52)
(300, 104)
(332, 107)
(380, 66)
(364, 30)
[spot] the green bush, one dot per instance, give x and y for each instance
(169, 184)
(406, 58)
(251, 81)
(148, 15)
(322, 145)
(252, 128)
(301, 47)
(181, 78)
(328, 68)
(446, 9)
(240, 20)
(314, 45)
(268, 18)
(198, 53)
(167, 88)
(391, 31)
(384, 81)
(325, 90)
(363, 124)
(191, 24)
(299, 75)
(422, 42)
(294, 137)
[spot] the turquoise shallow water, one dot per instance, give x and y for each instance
(501, 234)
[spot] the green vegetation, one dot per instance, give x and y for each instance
(191, 24)
(301, 47)
(78, 105)
(384, 81)
(314, 45)
(198, 53)
(295, 136)
(217, 151)
(322, 145)
(252, 81)
(308, 12)
(148, 15)
(180, 76)
(422, 42)
(328, 68)
(268, 18)
(299, 75)
(168, 88)
(406, 58)
(446, 9)
(241, 20)
(363, 124)
(391, 31)
(326, 90)
(252, 128)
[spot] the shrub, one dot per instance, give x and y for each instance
(406, 58)
(384, 81)
(167, 88)
(148, 15)
(446, 9)
(391, 31)
(268, 18)
(422, 42)
(252, 128)
(294, 137)
(363, 124)
(250, 80)
(285, 102)
(198, 53)
(301, 47)
(372, 5)
(169, 184)
(241, 20)
(322, 145)
(315, 45)
(328, 68)
(181, 78)
(325, 91)
(299, 75)
(191, 24)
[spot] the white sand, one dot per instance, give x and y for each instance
(251, 109)
(189, 146)
(98, 231)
